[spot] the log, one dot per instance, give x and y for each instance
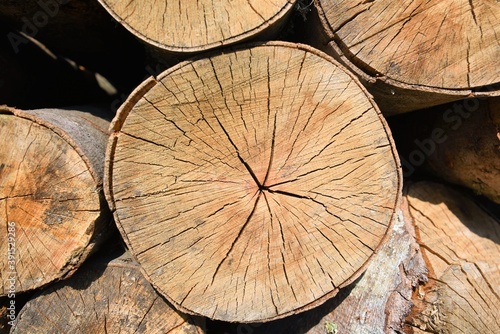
(377, 303)
(53, 212)
(413, 54)
(460, 243)
(457, 142)
(190, 27)
(104, 296)
(252, 184)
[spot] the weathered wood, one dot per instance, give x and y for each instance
(461, 245)
(377, 303)
(53, 212)
(252, 184)
(187, 26)
(414, 54)
(458, 142)
(104, 296)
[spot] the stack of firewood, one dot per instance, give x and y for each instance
(249, 166)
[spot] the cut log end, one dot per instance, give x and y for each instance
(392, 43)
(252, 184)
(187, 27)
(405, 36)
(460, 244)
(104, 297)
(52, 206)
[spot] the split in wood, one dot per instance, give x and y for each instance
(252, 184)
(52, 209)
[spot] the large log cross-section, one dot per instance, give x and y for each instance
(252, 184)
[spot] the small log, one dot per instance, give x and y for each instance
(458, 142)
(53, 212)
(413, 54)
(189, 27)
(253, 184)
(460, 243)
(104, 296)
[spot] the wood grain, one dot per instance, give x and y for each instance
(416, 53)
(376, 303)
(104, 296)
(460, 243)
(51, 168)
(193, 26)
(252, 184)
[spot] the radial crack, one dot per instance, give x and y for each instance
(236, 239)
(271, 156)
(247, 166)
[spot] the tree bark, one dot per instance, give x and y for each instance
(413, 54)
(264, 177)
(53, 212)
(460, 244)
(104, 296)
(458, 142)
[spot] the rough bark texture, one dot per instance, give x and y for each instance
(458, 142)
(377, 302)
(265, 178)
(460, 244)
(52, 209)
(414, 54)
(104, 297)
(188, 26)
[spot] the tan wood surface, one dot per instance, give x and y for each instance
(104, 297)
(252, 184)
(416, 53)
(193, 26)
(376, 303)
(52, 207)
(460, 243)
